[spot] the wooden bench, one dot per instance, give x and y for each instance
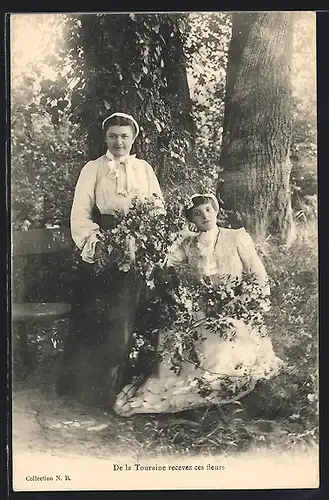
(29, 243)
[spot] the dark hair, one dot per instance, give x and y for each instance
(197, 201)
(121, 121)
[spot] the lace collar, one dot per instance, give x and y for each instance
(208, 237)
(123, 160)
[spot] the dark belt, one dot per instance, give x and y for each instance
(105, 221)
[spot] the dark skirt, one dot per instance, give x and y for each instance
(100, 334)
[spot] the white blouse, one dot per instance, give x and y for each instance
(110, 184)
(220, 252)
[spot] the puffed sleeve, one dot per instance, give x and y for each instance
(154, 189)
(84, 231)
(251, 262)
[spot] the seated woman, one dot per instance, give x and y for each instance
(230, 364)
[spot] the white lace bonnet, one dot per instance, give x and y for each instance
(190, 203)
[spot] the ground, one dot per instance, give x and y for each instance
(44, 422)
(47, 428)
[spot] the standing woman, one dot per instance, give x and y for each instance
(104, 304)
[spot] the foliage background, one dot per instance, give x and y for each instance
(49, 146)
(49, 99)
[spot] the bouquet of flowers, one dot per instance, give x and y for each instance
(173, 312)
(231, 299)
(141, 239)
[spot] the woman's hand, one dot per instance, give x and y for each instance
(189, 231)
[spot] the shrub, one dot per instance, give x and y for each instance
(292, 324)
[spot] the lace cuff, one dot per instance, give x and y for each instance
(88, 251)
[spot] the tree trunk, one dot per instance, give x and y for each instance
(135, 65)
(255, 153)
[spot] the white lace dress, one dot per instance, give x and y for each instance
(231, 368)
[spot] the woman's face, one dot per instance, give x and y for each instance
(204, 216)
(119, 139)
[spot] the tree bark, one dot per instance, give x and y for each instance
(255, 154)
(136, 67)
